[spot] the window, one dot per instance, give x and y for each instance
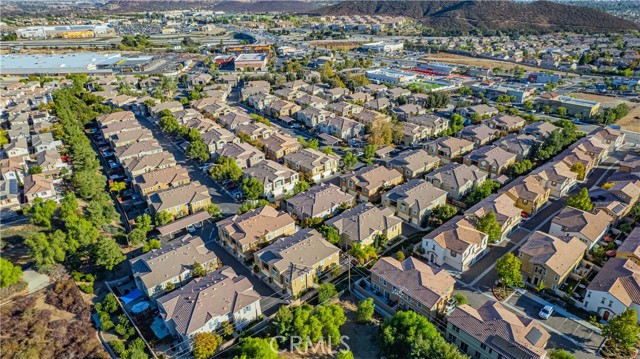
(602, 301)
(556, 278)
(455, 329)
(464, 347)
(588, 294)
(483, 346)
(610, 303)
(500, 356)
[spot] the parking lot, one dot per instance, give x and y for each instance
(575, 337)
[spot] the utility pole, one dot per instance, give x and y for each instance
(349, 274)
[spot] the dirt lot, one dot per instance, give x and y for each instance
(630, 122)
(466, 60)
(362, 338)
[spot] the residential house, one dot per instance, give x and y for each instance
(315, 165)
(412, 285)
(121, 139)
(557, 177)
(506, 123)
(448, 148)
(245, 233)
(277, 180)
(171, 106)
(255, 131)
(612, 137)
(278, 108)
(161, 180)
(18, 150)
(244, 154)
(413, 134)
(180, 201)
(312, 117)
(491, 159)
(217, 137)
(137, 149)
(414, 200)
(118, 127)
(369, 182)
(378, 104)
(9, 196)
(311, 101)
(548, 260)
(295, 262)
(138, 165)
(43, 142)
(280, 145)
(529, 195)
(363, 223)
(205, 303)
(260, 101)
(435, 125)
(38, 186)
(334, 94)
(456, 244)
(342, 108)
(507, 214)
(482, 111)
(51, 163)
(630, 247)
(414, 163)
(494, 332)
(342, 127)
(480, 134)
(589, 227)
(234, 119)
(594, 148)
(173, 263)
(369, 117)
(407, 110)
(12, 169)
(457, 179)
(614, 289)
(320, 201)
(540, 130)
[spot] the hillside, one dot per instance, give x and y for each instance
(489, 15)
(226, 6)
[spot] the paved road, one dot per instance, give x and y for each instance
(227, 205)
(270, 301)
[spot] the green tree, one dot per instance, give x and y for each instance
(68, 207)
(169, 124)
(88, 183)
(301, 186)
(326, 291)
(143, 222)
(410, 335)
(349, 160)
(328, 151)
(520, 168)
(46, 252)
(623, 329)
(578, 168)
(440, 214)
(365, 311)
(251, 348)
(198, 150)
(109, 303)
(481, 192)
(9, 273)
(198, 270)
(41, 211)
(581, 200)
(508, 268)
(164, 217)
(35, 170)
(117, 187)
(151, 245)
(400, 256)
(560, 354)
(330, 234)
(345, 354)
(363, 253)
(137, 236)
(369, 151)
(461, 299)
(214, 210)
(252, 188)
(226, 169)
(562, 111)
(108, 254)
(490, 226)
(205, 344)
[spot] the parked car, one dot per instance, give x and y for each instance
(546, 312)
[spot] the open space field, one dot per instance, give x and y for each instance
(473, 61)
(427, 86)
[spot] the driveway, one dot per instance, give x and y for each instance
(227, 204)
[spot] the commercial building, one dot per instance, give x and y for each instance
(437, 67)
(574, 106)
(63, 31)
(390, 76)
(251, 62)
(59, 64)
(382, 46)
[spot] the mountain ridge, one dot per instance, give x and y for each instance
(501, 15)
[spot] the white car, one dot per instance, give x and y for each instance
(546, 312)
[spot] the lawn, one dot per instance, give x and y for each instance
(426, 86)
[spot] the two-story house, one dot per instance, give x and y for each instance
(277, 180)
(320, 201)
(414, 200)
(369, 182)
(363, 223)
(312, 163)
(457, 179)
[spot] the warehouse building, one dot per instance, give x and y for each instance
(60, 64)
(390, 76)
(251, 62)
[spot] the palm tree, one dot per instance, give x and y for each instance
(363, 253)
